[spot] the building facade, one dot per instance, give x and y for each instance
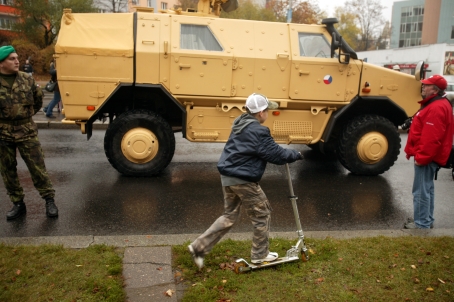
(422, 22)
(157, 5)
(8, 16)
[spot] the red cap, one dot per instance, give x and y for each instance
(436, 80)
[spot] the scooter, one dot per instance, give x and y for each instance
(242, 265)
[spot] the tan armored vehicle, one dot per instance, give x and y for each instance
(151, 73)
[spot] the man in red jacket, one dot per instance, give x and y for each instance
(430, 142)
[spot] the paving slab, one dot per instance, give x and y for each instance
(147, 272)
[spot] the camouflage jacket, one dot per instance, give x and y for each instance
(17, 106)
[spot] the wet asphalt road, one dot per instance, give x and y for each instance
(94, 199)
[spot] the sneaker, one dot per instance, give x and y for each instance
(271, 257)
(198, 260)
(411, 225)
(45, 109)
(410, 220)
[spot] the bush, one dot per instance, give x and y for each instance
(39, 58)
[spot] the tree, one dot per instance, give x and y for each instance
(41, 18)
(248, 10)
(112, 6)
(347, 27)
(185, 4)
(369, 17)
(303, 12)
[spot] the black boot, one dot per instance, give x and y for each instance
(51, 208)
(17, 210)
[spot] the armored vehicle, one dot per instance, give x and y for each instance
(153, 74)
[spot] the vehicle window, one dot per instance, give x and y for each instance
(198, 37)
(314, 45)
(450, 87)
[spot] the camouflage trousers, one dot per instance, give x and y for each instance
(258, 208)
(32, 154)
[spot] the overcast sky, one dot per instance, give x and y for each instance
(329, 5)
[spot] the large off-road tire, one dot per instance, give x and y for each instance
(139, 143)
(369, 145)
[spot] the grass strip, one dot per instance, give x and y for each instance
(55, 273)
(360, 269)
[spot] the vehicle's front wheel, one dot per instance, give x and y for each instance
(369, 145)
(139, 143)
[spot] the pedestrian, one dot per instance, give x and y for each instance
(242, 164)
(57, 97)
(28, 68)
(429, 142)
(20, 99)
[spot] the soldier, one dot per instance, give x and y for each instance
(242, 164)
(20, 99)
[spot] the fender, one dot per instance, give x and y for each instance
(382, 106)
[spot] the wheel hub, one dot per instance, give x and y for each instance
(139, 145)
(372, 147)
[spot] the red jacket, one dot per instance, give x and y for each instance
(431, 132)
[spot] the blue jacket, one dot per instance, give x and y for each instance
(248, 149)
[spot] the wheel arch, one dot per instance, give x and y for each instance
(382, 106)
(152, 97)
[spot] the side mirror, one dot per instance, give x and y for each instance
(343, 58)
(419, 71)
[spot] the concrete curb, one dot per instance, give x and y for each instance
(177, 239)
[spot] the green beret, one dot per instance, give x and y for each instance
(5, 51)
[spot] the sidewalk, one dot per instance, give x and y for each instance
(147, 262)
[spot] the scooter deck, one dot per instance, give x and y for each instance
(244, 266)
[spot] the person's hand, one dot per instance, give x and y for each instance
(301, 156)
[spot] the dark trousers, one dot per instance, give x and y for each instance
(32, 154)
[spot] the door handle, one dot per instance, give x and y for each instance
(282, 55)
(147, 42)
(305, 72)
(185, 66)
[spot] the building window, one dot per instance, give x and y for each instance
(6, 23)
(163, 5)
(452, 32)
(150, 3)
(134, 2)
(5, 2)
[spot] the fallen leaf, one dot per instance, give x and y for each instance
(159, 268)
(416, 281)
(402, 269)
(319, 280)
(78, 265)
(378, 281)
(311, 251)
(340, 259)
(396, 255)
(413, 266)
(18, 272)
(428, 253)
(329, 214)
(208, 270)
(224, 281)
(429, 289)
(441, 281)
(177, 274)
(447, 257)
(169, 293)
(393, 265)
(420, 261)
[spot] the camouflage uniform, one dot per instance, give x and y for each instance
(18, 131)
(258, 209)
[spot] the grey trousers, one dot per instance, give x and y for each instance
(258, 209)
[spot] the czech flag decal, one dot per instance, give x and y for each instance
(328, 79)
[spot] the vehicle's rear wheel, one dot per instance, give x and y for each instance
(369, 145)
(139, 143)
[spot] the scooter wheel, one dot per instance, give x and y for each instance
(238, 267)
(304, 257)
